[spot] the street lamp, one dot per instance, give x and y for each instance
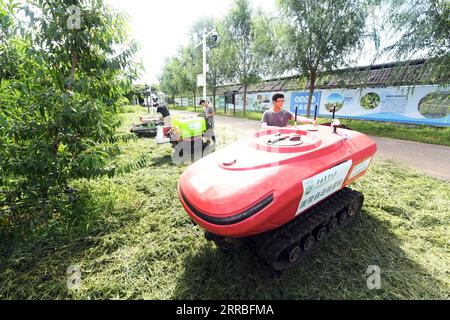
(214, 37)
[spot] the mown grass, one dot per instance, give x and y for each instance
(409, 132)
(132, 240)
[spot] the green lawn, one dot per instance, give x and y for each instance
(132, 239)
(418, 133)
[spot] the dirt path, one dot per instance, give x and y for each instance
(433, 160)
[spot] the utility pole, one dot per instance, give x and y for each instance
(215, 37)
(204, 64)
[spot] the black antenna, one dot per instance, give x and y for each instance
(296, 108)
(315, 113)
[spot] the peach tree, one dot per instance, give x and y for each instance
(66, 66)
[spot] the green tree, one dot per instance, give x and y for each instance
(58, 114)
(180, 73)
(221, 61)
(423, 26)
(240, 36)
(221, 56)
(423, 31)
(317, 36)
(168, 79)
(189, 69)
(8, 55)
(264, 46)
(137, 92)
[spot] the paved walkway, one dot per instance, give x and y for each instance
(431, 159)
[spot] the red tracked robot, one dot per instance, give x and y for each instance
(281, 190)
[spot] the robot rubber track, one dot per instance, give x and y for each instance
(289, 245)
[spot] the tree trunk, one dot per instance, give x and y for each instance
(245, 98)
(214, 98)
(195, 101)
(245, 87)
(74, 68)
(312, 86)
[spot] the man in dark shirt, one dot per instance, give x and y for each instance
(164, 112)
(278, 117)
(208, 113)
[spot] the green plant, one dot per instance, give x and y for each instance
(133, 240)
(370, 101)
(58, 110)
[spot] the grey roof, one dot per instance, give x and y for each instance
(389, 74)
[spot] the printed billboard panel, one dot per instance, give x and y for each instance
(420, 105)
(263, 101)
(299, 100)
(260, 101)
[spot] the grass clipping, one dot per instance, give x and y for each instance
(129, 238)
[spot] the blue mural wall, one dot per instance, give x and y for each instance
(417, 105)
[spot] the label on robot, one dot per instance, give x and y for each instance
(322, 185)
(360, 168)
